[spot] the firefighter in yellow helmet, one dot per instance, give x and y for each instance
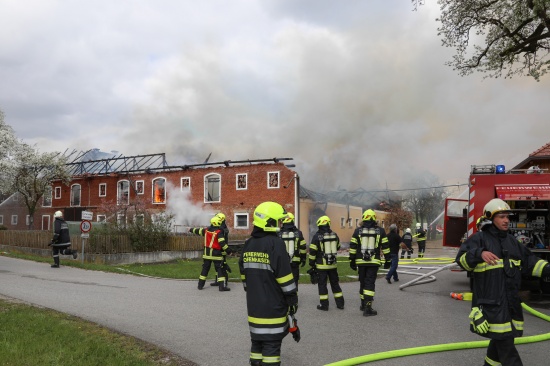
(497, 262)
(364, 254)
(322, 257)
(420, 239)
(271, 295)
(225, 266)
(295, 245)
(214, 247)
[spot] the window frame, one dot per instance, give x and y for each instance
(153, 186)
(57, 195)
(207, 190)
(72, 201)
(186, 188)
(139, 187)
(269, 175)
(1, 219)
(14, 219)
(104, 193)
(120, 190)
(47, 195)
(236, 220)
(238, 186)
(101, 218)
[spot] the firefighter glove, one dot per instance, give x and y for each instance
(294, 330)
(313, 275)
(228, 251)
(478, 321)
(352, 265)
(292, 302)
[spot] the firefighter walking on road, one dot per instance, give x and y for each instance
(407, 240)
(61, 240)
(322, 257)
(271, 296)
(420, 240)
(214, 246)
(295, 246)
(497, 262)
(364, 254)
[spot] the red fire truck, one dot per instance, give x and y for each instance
(527, 191)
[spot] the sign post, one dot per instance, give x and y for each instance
(85, 227)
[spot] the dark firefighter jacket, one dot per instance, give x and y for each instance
(269, 285)
(214, 242)
(496, 287)
(381, 243)
(420, 236)
(317, 248)
(61, 234)
(407, 239)
(299, 242)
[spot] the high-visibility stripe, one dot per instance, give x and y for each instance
(518, 324)
(500, 328)
(255, 320)
(254, 265)
(285, 279)
(372, 261)
(464, 263)
(482, 267)
(491, 362)
(277, 330)
(338, 294)
(537, 270)
(289, 287)
(243, 277)
(271, 359)
(323, 297)
(255, 356)
(201, 277)
(212, 257)
(368, 293)
(313, 246)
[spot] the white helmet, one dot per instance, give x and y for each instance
(407, 230)
(494, 206)
(58, 214)
(418, 225)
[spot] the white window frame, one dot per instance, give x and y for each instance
(357, 223)
(104, 185)
(121, 190)
(101, 218)
(137, 183)
(236, 221)
(237, 176)
(47, 198)
(49, 222)
(1, 219)
(73, 203)
(27, 220)
(153, 191)
(207, 183)
(342, 222)
(14, 219)
(121, 219)
(139, 219)
(185, 188)
(278, 174)
(57, 193)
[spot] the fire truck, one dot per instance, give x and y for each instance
(527, 191)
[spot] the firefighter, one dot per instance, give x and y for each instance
(497, 262)
(295, 246)
(61, 240)
(225, 266)
(420, 240)
(322, 258)
(271, 295)
(364, 254)
(214, 246)
(407, 239)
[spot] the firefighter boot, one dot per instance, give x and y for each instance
(55, 262)
(223, 286)
(369, 311)
(340, 303)
(215, 283)
(323, 306)
(201, 284)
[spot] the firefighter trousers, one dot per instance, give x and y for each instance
(265, 352)
(367, 279)
(332, 276)
(295, 267)
(206, 264)
(503, 351)
(421, 248)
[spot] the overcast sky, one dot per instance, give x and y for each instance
(355, 91)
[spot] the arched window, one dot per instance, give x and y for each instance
(75, 195)
(159, 190)
(123, 192)
(212, 188)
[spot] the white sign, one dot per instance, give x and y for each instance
(87, 215)
(85, 235)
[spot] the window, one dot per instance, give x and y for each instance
(57, 193)
(121, 220)
(27, 220)
(241, 181)
(342, 222)
(75, 195)
(45, 222)
(123, 192)
(47, 198)
(140, 187)
(14, 219)
(241, 221)
(139, 219)
(272, 179)
(350, 222)
(1, 219)
(185, 184)
(103, 190)
(212, 188)
(357, 223)
(101, 218)
(159, 190)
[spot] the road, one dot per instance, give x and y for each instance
(210, 328)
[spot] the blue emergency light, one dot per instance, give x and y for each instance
(500, 169)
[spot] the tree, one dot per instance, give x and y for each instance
(26, 171)
(516, 36)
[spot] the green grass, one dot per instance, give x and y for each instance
(35, 336)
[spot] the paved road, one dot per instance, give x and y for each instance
(209, 327)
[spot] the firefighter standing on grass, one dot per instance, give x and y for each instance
(364, 255)
(497, 262)
(420, 240)
(214, 246)
(225, 266)
(295, 245)
(271, 294)
(322, 257)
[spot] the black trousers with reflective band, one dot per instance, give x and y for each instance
(503, 351)
(270, 351)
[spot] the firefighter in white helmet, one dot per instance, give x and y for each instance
(497, 262)
(295, 245)
(364, 254)
(61, 240)
(407, 239)
(420, 239)
(323, 249)
(271, 295)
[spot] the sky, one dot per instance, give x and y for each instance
(356, 92)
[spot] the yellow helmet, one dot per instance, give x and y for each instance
(221, 216)
(495, 206)
(215, 221)
(323, 220)
(289, 218)
(267, 216)
(369, 215)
